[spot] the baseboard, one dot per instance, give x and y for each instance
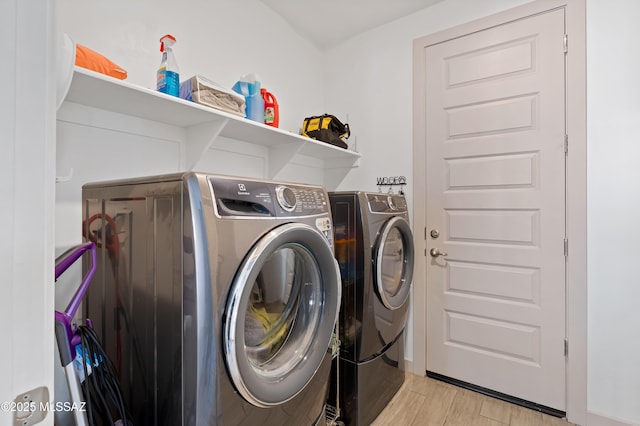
(408, 366)
(594, 419)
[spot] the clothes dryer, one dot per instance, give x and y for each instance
(216, 297)
(374, 248)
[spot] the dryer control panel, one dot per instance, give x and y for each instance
(387, 203)
(237, 197)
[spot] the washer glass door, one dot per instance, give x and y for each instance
(393, 262)
(281, 314)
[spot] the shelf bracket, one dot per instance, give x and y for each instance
(280, 156)
(336, 169)
(200, 138)
(342, 163)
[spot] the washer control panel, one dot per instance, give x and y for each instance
(387, 203)
(310, 200)
(247, 197)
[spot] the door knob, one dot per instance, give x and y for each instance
(435, 252)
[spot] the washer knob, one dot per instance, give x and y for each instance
(286, 198)
(392, 204)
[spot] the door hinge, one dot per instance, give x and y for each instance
(566, 247)
(566, 144)
(566, 348)
(565, 43)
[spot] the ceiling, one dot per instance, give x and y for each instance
(327, 23)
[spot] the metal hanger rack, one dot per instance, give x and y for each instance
(390, 182)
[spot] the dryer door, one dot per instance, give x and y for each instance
(281, 314)
(393, 262)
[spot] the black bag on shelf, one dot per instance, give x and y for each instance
(326, 128)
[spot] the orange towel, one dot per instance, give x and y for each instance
(92, 60)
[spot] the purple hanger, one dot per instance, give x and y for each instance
(63, 319)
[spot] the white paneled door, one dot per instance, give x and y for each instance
(495, 216)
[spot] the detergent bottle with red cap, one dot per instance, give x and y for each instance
(271, 113)
(168, 75)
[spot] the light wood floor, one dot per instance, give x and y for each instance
(422, 401)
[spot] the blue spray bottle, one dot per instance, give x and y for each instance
(168, 74)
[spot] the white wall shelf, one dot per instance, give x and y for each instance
(203, 125)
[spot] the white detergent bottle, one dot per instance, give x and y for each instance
(168, 74)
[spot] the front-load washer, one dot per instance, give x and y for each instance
(374, 248)
(215, 297)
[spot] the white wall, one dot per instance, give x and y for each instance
(613, 117)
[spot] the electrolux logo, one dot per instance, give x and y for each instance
(242, 189)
